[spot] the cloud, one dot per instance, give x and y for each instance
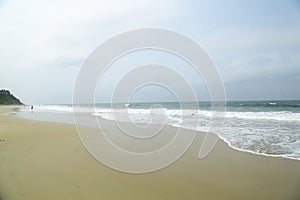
(44, 43)
(38, 36)
(43, 31)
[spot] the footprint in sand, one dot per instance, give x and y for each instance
(2, 140)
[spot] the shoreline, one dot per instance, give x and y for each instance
(46, 160)
(174, 126)
(255, 153)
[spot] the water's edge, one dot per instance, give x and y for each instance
(67, 118)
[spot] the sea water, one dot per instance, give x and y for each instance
(270, 128)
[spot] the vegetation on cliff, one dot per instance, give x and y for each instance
(6, 98)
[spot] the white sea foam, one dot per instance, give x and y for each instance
(275, 133)
(280, 116)
(53, 108)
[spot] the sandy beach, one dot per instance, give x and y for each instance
(150, 100)
(45, 160)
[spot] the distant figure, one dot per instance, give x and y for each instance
(31, 107)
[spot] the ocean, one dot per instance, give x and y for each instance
(270, 128)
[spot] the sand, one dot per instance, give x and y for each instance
(43, 160)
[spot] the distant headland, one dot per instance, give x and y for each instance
(6, 98)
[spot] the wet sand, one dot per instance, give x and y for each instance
(45, 160)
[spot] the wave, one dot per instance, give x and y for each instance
(291, 104)
(270, 115)
(263, 132)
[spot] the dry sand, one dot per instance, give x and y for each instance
(43, 160)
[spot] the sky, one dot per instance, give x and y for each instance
(254, 44)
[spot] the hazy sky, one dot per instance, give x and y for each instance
(255, 44)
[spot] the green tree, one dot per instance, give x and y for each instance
(6, 98)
